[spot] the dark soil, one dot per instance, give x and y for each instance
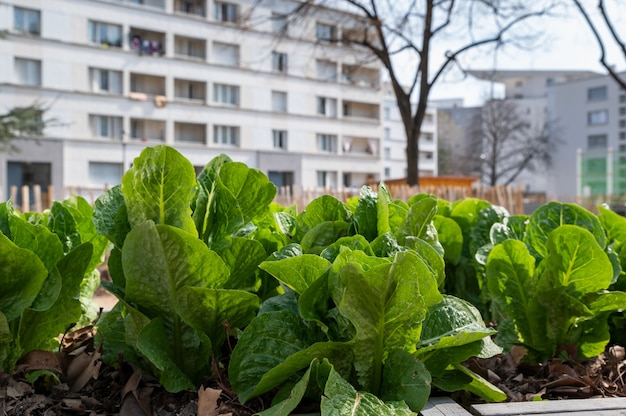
(74, 382)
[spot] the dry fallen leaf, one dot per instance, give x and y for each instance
(207, 402)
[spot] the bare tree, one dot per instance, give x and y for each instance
(401, 34)
(511, 144)
(21, 122)
(605, 21)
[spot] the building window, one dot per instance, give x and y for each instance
(326, 179)
(225, 12)
(387, 153)
(190, 133)
(279, 101)
(225, 54)
(105, 81)
(326, 70)
(189, 90)
(387, 112)
(327, 143)
(622, 111)
(279, 23)
(622, 123)
(105, 34)
(28, 71)
(597, 117)
(105, 174)
(387, 133)
(281, 178)
(226, 135)
(27, 21)
(226, 94)
(387, 173)
(622, 135)
(106, 126)
(279, 138)
(327, 106)
(325, 32)
(597, 141)
(279, 62)
(622, 98)
(596, 93)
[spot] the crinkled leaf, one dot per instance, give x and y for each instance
(340, 399)
(366, 214)
(552, 215)
(420, 215)
(39, 329)
(576, 262)
(405, 378)
(299, 272)
(451, 323)
(160, 259)
(322, 209)
(355, 242)
(450, 237)
(157, 348)
(160, 187)
(111, 216)
(216, 312)
(323, 235)
(262, 358)
(513, 283)
(386, 304)
(459, 377)
(242, 257)
(23, 275)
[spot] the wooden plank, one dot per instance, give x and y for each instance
(443, 406)
(553, 407)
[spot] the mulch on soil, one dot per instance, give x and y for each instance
(74, 381)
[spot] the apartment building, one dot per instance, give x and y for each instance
(529, 90)
(296, 101)
(592, 115)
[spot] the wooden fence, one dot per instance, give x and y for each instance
(512, 198)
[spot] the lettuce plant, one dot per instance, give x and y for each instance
(48, 276)
(184, 264)
(361, 292)
(552, 282)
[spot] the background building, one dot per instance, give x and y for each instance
(592, 112)
(529, 90)
(205, 76)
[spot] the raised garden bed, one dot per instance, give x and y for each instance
(229, 303)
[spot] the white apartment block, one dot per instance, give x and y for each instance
(592, 115)
(204, 76)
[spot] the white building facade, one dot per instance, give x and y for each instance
(592, 115)
(205, 76)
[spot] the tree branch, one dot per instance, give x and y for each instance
(594, 30)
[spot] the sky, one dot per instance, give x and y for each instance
(567, 44)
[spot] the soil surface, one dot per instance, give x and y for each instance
(74, 381)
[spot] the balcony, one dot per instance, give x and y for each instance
(157, 4)
(190, 7)
(190, 133)
(354, 109)
(187, 90)
(147, 130)
(147, 42)
(360, 76)
(189, 48)
(147, 85)
(360, 146)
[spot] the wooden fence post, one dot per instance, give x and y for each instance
(37, 197)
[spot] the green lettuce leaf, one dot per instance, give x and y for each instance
(160, 187)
